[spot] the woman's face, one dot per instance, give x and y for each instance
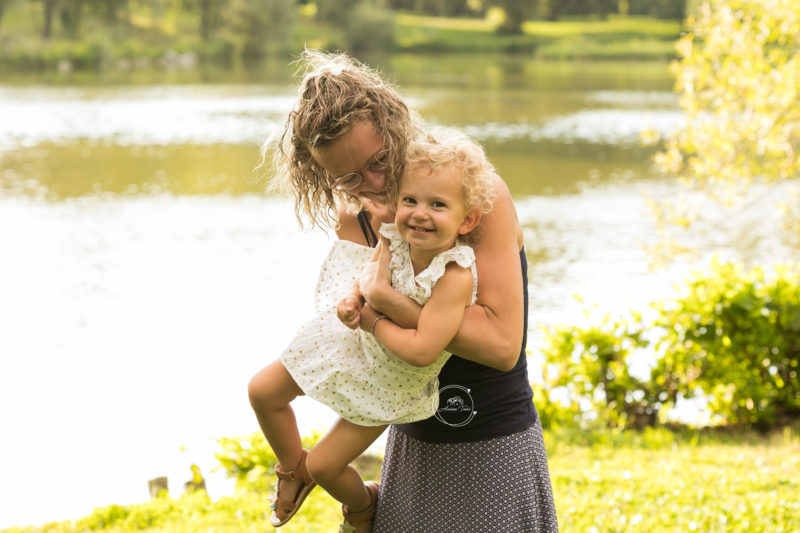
(360, 151)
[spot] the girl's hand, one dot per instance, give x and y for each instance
(349, 311)
(376, 277)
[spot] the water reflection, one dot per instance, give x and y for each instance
(141, 116)
(203, 139)
(83, 167)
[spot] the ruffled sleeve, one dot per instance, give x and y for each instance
(419, 287)
(400, 265)
(462, 255)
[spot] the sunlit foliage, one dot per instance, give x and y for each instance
(731, 336)
(739, 80)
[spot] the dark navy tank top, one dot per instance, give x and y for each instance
(478, 402)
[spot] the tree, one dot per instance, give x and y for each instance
(516, 12)
(4, 4)
(369, 29)
(335, 12)
(210, 15)
(49, 9)
(71, 16)
(739, 79)
(262, 25)
(555, 9)
(109, 10)
(664, 9)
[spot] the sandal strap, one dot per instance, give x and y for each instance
(282, 506)
(300, 471)
(368, 513)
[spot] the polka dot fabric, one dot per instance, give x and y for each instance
(499, 485)
(350, 371)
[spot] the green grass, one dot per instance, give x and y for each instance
(612, 38)
(696, 482)
(604, 481)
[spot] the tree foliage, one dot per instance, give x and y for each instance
(739, 80)
(516, 12)
(4, 4)
(261, 25)
(210, 15)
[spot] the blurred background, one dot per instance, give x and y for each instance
(146, 273)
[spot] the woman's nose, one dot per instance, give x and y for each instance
(376, 180)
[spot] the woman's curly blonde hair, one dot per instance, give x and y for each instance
(441, 147)
(336, 92)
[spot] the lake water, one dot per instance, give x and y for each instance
(145, 274)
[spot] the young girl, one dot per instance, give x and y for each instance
(377, 373)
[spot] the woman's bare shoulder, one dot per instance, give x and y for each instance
(348, 228)
(501, 224)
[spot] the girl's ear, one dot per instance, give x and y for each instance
(470, 221)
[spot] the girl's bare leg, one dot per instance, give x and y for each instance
(328, 462)
(271, 390)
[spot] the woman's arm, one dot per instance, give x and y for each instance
(438, 321)
(491, 330)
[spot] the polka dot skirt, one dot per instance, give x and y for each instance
(499, 485)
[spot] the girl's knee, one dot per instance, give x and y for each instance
(320, 468)
(272, 388)
(256, 390)
(263, 390)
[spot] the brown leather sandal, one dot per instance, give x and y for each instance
(361, 522)
(283, 509)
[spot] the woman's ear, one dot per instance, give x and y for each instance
(470, 221)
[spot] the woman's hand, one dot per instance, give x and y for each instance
(375, 281)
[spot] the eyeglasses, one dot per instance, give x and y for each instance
(379, 162)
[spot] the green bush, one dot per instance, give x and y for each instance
(735, 336)
(731, 335)
(591, 367)
(251, 461)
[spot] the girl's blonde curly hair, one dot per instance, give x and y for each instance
(441, 147)
(336, 92)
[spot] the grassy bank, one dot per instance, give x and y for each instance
(611, 38)
(144, 40)
(654, 481)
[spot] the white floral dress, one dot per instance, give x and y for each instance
(350, 370)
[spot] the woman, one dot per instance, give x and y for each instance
(479, 464)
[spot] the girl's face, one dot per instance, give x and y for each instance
(430, 209)
(356, 162)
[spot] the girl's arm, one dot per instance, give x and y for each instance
(491, 330)
(438, 322)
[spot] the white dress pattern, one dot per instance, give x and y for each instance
(350, 370)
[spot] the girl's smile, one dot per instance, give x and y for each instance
(431, 212)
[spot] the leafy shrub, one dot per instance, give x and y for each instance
(731, 335)
(735, 336)
(591, 367)
(251, 461)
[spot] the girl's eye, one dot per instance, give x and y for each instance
(408, 200)
(439, 204)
